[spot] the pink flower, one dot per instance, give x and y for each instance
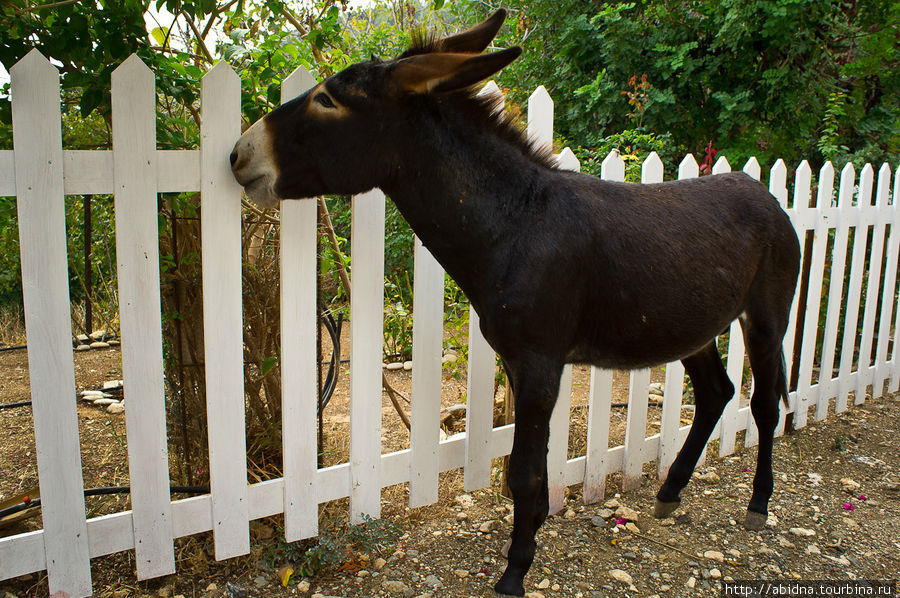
(848, 506)
(621, 521)
(863, 497)
(747, 470)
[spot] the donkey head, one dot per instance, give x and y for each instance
(337, 137)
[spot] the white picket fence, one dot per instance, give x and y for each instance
(40, 173)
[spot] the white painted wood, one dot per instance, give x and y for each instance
(299, 375)
(428, 329)
(636, 428)
(596, 455)
(223, 339)
(752, 168)
(854, 290)
(891, 214)
(845, 216)
(540, 119)
(137, 254)
(688, 168)
(7, 173)
(558, 445)
(802, 198)
(778, 188)
(479, 407)
(866, 374)
(613, 167)
(23, 554)
(37, 139)
(366, 340)
(729, 424)
(721, 166)
(805, 396)
(567, 160)
(670, 421)
(652, 169)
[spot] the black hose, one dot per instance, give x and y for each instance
(13, 347)
(36, 502)
(11, 405)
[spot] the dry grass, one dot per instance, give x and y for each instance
(12, 325)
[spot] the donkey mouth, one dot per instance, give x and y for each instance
(259, 190)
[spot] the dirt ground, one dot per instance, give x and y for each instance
(834, 513)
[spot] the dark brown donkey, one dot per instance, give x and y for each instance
(561, 267)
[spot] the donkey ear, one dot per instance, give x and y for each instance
(475, 39)
(440, 73)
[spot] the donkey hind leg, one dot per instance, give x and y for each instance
(712, 391)
(536, 387)
(769, 380)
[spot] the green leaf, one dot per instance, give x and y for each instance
(159, 34)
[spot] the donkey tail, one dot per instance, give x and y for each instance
(783, 388)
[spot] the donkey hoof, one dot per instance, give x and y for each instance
(755, 521)
(509, 587)
(504, 550)
(661, 509)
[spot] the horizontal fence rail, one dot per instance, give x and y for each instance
(847, 224)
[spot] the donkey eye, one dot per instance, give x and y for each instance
(324, 100)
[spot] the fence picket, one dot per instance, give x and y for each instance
(778, 188)
(635, 428)
(479, 407)
(845, 217)
(299, 372)
(894, 385)
(137, 254)
(37, 138)
(865, 374)
(857, 265)
(751, 434)
(799, 216)
(428, 328)
(366, 339)
(882, 371)
(558, 444)
(820, 215)
(597, 460)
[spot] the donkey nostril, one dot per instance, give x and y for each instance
(234, 157)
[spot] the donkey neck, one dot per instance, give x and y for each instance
(463, 188)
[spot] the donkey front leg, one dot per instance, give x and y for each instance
(536, 390)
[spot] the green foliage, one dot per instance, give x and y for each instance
(398, 322)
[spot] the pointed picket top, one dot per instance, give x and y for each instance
(33, 62)
(220, 74)
(896, 195)
(297, 83)
(848, 179)
(688, 169)
(721, 166)
(826, 186)
(613, 167)
(752, 168)
(802, 183)
(133, 68)
(652, 169)
(567, 160)
(778, 182)
(866, 181)
(884, 184)
(540, 117)
(491, 88)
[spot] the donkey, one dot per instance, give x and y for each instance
(561, 267)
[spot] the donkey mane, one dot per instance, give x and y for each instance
(485, 110)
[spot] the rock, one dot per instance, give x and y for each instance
(99, 345)
(627, 513)
(80, 348)
(104, 402)
(394, 366)
(612, 504)
(213, 587)
(632, 528)
(849, 485)
(99, 335)
(709, 478)
(433, 581)
(543, 584)
(112, 384)
(534, 595)
(605, 513)
(802, 531)
(379, 564)
(813, 479)
(622, 576)
(449, 358)
(164, 592)
(569, 514)
(461, 573)
(397, 587)
(690, 583)
(260, 581)
(464, 500)
(487, 526)
(97, 394)
(598, 521)
(407, 365)
(657, 389)
(462, 516)
(813, 549)
(115, 408)
(714, 555)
